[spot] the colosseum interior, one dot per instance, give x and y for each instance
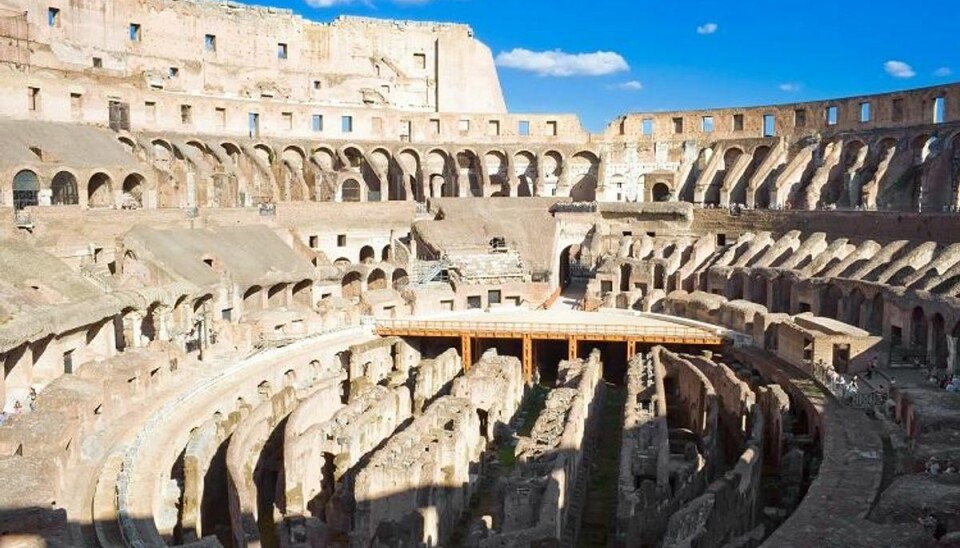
(293, 284)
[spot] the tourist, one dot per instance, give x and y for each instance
(17, 408)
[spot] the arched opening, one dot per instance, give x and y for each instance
(252, 299)
(525, 168)
(918, 328)
(386, 254)
(276, 296)
(874, 323)
(758, 290)
(587, 166)
(148, 327)
(100, 191)
(26, 189)
(400, 279)
(830, 302)
(351, 285)
(625, 271)
(564, 269)
(659, 276)
(367, 255)
(377, 280)
(660, 192)
(469, 170)
(133, 187)
(938, 334)
(63, 189)
(854, 306)
(350, 191)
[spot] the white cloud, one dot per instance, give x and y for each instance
(632, 85)
(559, 63)
(899, 69)
(789, 87)
(708, 28)
(943, 72)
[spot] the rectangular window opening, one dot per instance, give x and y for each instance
(769, 125)
(463, 126)
(221, 114)
(151, 110)
(832, 115)
(707, 124)
(678, 125)
(420, 60)
(287, 118)
(97, 62)
(282, 51)
(524, 128)
(647, 126)
(341, 240)
(738, 122)
(552, 128)
(346, 124)
(134, 32)
(864, 112)
(186, 114)
(316, 122)
(435, 125)
(210, 42)
(493, 128)
(173, 72)
(53, 17)
(800, 118)
(939, 110)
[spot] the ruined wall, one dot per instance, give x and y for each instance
(419, 493)
(540, 498)
(495, 386)
(433, 376)
(644, 455)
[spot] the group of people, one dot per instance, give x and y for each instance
(941, 379)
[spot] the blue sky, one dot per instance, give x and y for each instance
(671, 55)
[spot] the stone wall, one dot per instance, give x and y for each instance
(495, 387)
(408, 494)
(538, 499)
(433, 376)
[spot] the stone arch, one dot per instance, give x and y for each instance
(63, 189)
(294, 184)
(551, 173)
(252, 299)
(584, 171)
(830, 298)
(276, 295)
(265, 153)
(367, 255)
(918, 328)
(233, 152)
(377, 175)
(377, 279)
(469, 171)
(660, 192)
(100, 190)
(134, 186)
(400, 279)
(26, 189)
(409, 160)
(497, 167)
(350, 191)
(351, 285)
(525, 169)
(441, 182)
(940, 352)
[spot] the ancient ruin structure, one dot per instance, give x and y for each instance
(270, 282)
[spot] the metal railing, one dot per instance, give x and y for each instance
(533, 328)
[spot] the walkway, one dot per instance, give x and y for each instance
(565, 325)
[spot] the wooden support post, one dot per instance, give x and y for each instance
(631, 349)
(572, 347)
(465, 344)
(527, 359)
